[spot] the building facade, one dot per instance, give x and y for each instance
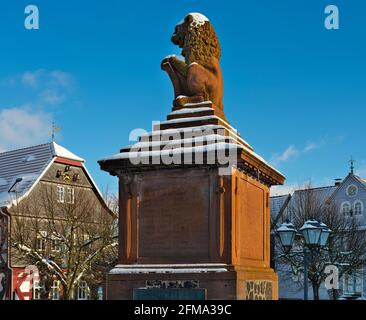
(349, 199)
(41, 187)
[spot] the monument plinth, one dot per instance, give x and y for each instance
(194, 196)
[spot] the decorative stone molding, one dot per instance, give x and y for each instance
(169, 284)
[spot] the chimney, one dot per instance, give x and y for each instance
(337, 182)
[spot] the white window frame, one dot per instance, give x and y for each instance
(83, 290)
(55, 290)
(354, 207)
(346, 214)
(37, 290)
(55, 244)
(42, 241)
(70, 195)
(60, 194)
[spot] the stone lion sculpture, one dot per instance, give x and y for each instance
(199, 77)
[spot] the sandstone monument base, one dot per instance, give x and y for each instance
(193, 228)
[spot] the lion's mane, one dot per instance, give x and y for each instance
(201, 44)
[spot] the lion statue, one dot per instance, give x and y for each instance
(199, 77)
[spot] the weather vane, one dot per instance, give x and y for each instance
(352, 163)
(55, 130)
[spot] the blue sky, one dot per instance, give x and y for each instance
(294, 90)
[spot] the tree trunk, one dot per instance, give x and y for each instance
(315, 291)
(69, 293)
(334, 294)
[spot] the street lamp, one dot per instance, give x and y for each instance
(311, 231)
(315, 236)
(287, 234)
(324, 235)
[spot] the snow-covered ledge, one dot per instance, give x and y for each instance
(170, 268)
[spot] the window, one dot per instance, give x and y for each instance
(346, 208)
(83, 291)
(358, 208)
(55, 290)
(55, 245)
(70, 195)
(60, 194)
(37, 289)
(41, 241)
(353, 282)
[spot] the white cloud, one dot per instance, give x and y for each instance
(310, 146)
(31, 78)
(30, 123)
(292, 152)
(47, 87)
(51, 96)
(21, 126)
(62, 78)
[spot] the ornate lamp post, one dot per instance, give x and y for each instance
(315, 236)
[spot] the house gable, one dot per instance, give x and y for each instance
(341, 195)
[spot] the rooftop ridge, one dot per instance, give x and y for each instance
(281, 195)
(317, 188)
(362, 180)
(24, 148)
(61, 152)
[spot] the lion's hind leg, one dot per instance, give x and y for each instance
(196, 82)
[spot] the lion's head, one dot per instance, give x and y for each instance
(197, 38)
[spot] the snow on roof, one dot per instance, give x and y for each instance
(321, 194)
(62, 152)
(13, 166)
(20, 169)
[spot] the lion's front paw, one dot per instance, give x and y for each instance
(167, 59)
(180, 101)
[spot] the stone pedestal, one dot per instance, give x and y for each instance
(189, 225)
